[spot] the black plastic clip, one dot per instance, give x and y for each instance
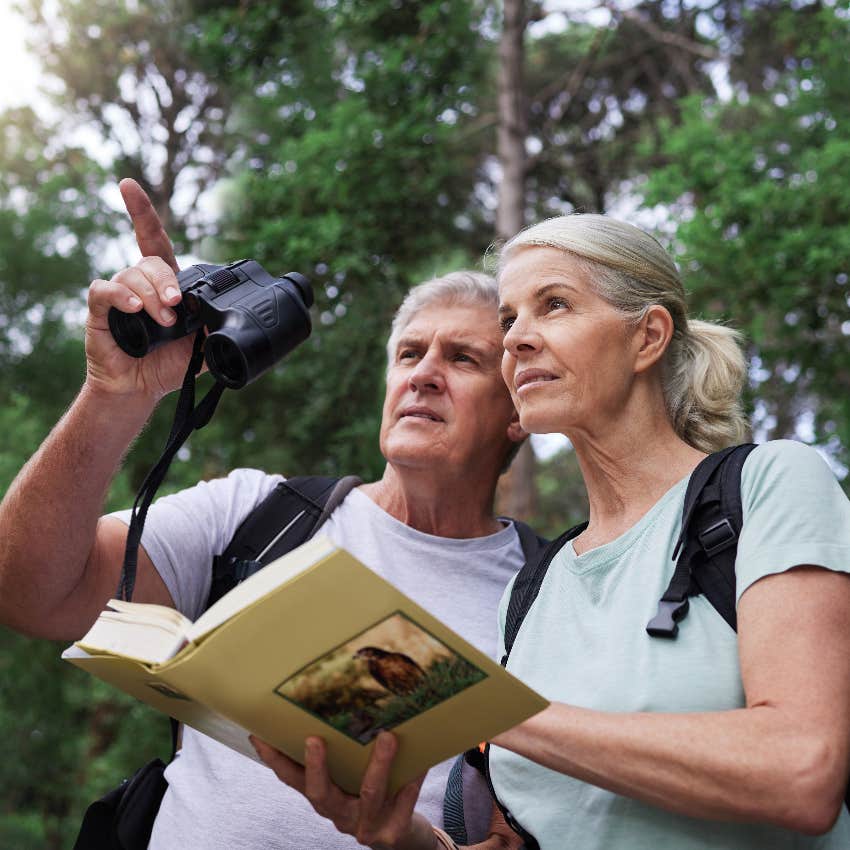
(718, 537)
(242, 569)
(664, 623)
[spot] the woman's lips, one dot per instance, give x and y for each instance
(530, 377)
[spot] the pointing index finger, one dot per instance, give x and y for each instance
(151, 237)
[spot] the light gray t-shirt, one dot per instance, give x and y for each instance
(217, 798)
(584, 643)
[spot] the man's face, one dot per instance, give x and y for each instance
(446, 402)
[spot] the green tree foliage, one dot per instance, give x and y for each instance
(127, 71)
(352, 172)
(596, 91)
(68, 739)
(358, 138)
(562, 498)
(759, 190)
(51, 224)
(368, 208)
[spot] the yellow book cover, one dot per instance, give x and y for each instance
(315, 643)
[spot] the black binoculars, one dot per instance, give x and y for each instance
(252, 319)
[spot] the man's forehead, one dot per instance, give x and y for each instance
(472, 326)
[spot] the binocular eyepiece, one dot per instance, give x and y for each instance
(252, 319)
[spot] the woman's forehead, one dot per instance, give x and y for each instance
(531, 268)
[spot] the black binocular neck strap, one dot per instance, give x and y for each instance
(187, 418)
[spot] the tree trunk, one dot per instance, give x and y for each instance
(516, 495)
(510, 215)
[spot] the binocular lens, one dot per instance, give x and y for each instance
(225, 361)
(130, 332)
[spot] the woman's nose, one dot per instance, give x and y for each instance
(521, 337)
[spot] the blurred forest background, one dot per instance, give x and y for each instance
(371, 144)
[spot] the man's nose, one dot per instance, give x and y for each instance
(428, 376)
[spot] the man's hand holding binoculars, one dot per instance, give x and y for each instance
(151, 285)
(247, 319)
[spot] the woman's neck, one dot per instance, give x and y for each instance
(626, 473)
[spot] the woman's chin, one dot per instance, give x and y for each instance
(538, 422)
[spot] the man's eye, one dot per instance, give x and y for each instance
(460, 357)
(558, 304)
(407, 354)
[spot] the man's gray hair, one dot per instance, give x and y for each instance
(461, 287)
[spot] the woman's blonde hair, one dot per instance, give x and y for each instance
(703, 368)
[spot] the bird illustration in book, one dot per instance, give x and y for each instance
(397, 672)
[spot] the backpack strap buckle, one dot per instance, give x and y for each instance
(717, 537)
(665, 622)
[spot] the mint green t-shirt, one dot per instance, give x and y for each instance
(584, 642)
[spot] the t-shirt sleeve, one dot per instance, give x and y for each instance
(794, 512)
(184, 531)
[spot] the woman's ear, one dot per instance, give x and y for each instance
(654, 333)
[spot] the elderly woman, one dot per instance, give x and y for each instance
(713, 740)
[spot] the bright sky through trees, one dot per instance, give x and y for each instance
(18, 69)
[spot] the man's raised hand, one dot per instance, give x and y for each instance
(150, 285)
(151, 237)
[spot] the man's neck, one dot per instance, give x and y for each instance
(432, 505)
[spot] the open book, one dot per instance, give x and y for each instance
(315, 643)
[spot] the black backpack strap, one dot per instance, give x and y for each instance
(289, 515)
(529, 842)
(527, 584)
(454, 820)
(712, 517)
(525, 588)
(454, 812)
(531, 542)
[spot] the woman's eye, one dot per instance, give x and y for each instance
(558, 304)
(506, 324)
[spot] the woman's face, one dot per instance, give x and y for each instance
(569, 355)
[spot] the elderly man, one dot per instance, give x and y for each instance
(447, 431)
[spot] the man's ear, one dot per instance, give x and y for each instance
(516, 434)
(653, 335)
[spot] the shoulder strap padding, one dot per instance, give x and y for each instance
(712, 517)
(713, 570)
(293, 511)
(527, 584)
(531, 542)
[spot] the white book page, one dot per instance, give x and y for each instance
(145, 639)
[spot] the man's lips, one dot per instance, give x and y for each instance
(419, 412)
(532, 376)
